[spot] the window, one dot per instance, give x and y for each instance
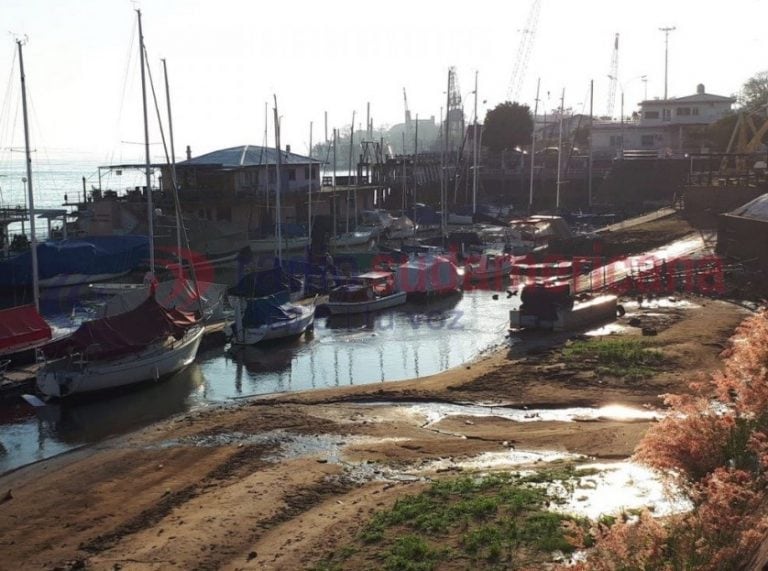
(651, 114)
(683, 111)
(306, 173)
(667, 114)
(695, 111)
(647, 140)
(291, 174)
(272, 176)
(616, 140)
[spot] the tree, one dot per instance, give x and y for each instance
(754, 92)
(507, 125)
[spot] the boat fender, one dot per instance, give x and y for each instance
(620, 311)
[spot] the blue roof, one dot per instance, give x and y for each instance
(246, 156)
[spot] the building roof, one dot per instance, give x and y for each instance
(756, 209)
(247, 156)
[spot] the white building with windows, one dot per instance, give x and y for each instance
(660, 125)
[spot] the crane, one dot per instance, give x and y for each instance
(613, 75)
(524, 49)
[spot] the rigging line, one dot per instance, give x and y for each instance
(124, 89)
(5, 109)
(42, 145)
(175, 190)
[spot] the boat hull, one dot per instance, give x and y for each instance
(347, 308)
(273, 331)
(63, 378)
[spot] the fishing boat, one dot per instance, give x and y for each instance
(265, 245)
(147, 343)
(488, 267)
(373, 292)
(268, 318)
(428, 275)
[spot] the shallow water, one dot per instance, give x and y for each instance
(408, 342)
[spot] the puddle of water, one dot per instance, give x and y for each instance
(608, 329)
(497, 460)
(435, 412)
(617, 487)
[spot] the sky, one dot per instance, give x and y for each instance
(227, 58)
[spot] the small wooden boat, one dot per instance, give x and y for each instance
(375, 291)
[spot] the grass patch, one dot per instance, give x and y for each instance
(494, 520)
(618, 357)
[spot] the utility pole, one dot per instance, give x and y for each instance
(533, 145)
(666, 55)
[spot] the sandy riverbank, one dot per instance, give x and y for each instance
(277, 482)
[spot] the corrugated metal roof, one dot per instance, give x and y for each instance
(246, 156)
(756, 209)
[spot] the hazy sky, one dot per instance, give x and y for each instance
(227, 58)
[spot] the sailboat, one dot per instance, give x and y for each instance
(270, 316)
(22, 328)
(146, 343)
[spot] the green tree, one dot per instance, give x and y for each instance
(754, 92)
(507, 125)
(717, 135)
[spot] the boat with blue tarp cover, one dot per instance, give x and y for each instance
(267, 318)
(76, 261)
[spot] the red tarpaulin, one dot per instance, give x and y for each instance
(124, 333)
(20, 328)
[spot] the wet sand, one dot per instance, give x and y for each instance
(277, 482)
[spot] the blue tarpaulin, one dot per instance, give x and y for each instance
(93, 255)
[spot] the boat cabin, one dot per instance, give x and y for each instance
(371, 285)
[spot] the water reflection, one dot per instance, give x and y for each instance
(29, 434)
(413, 341)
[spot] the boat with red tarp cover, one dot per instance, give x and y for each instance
(143, 344)
(22, 329)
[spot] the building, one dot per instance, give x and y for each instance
(743, 232)
(239, 185)
(662, 126)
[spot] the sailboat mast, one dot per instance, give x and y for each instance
(30, 194)
(474, 156)
(279, 223)
(560, 149)
(174, 180)
(309, 193)
(349, 171)
(533, 146)
(150, 209)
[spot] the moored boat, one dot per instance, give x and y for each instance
(268, 318)
(552, 306)
(424, 276)
(488, 267)
(375, 291)
(144, 344)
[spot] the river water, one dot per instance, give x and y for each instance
(413, 340)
